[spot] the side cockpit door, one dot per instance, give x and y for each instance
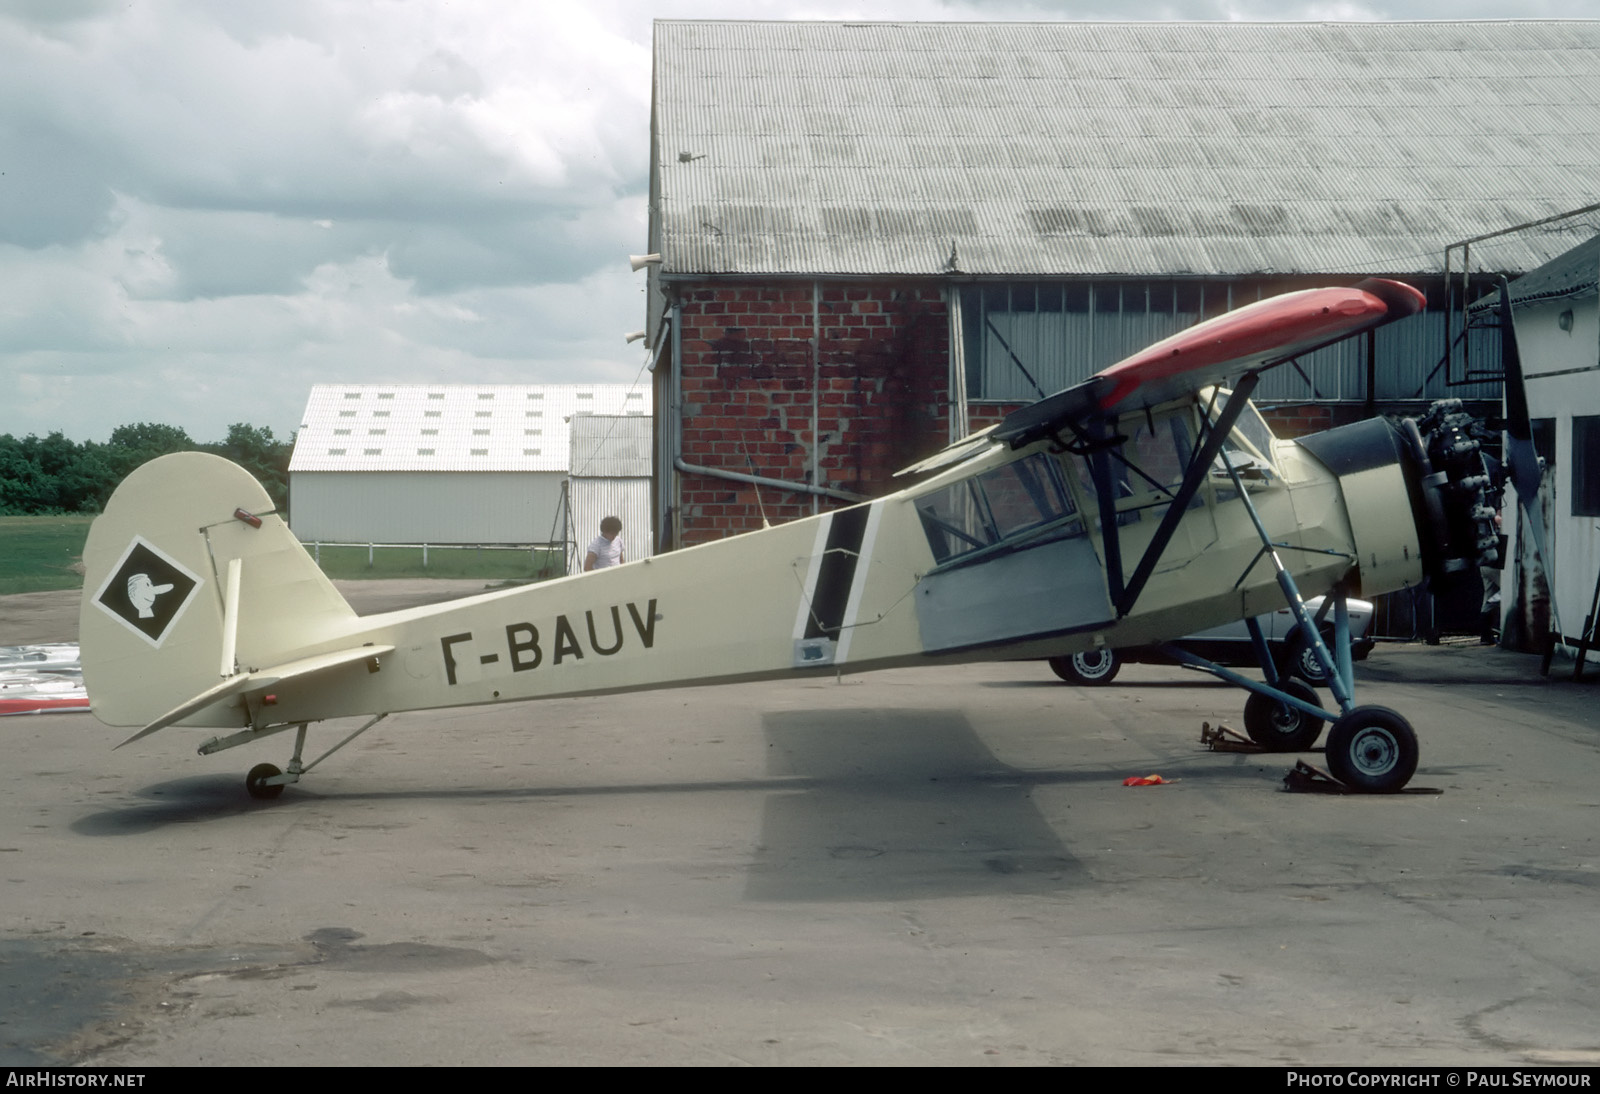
(1014, 559)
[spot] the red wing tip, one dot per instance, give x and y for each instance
(1401, 299)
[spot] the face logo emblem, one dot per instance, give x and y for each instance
(142, 593)
(147, 591)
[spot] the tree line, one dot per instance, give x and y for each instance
(51, 475)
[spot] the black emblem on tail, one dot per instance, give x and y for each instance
(147, 591)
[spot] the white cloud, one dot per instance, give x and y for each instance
(205, 208)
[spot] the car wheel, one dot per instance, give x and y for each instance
(1093, 667)
(1373, 750)
(1300, 659)
(1280, 728)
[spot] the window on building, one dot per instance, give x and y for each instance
(1586, 465)
(436, 395)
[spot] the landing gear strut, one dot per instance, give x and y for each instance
(264, 781)
(1370, 749)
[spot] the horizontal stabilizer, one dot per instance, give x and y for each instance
(262, 678)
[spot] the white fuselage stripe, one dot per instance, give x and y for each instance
(808, 587)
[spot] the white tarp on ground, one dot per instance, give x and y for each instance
(41, 679)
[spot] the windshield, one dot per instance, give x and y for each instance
(1250, 433)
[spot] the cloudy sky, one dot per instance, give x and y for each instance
(206, 207)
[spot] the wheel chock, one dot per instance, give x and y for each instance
(1223, 739)
(1303, 778)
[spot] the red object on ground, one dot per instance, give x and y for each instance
(40, 705)
(1144, 780)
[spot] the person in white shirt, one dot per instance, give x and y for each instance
(606, 548)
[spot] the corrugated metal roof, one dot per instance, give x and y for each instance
(1575, 274)
(451, 427)
(606, 446)
(1133, 148)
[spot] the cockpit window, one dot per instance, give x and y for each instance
(1019, 503)
(1251, 427)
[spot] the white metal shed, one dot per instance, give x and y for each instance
(441, 463)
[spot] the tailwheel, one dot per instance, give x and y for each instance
(256, 782)
(1278, 727)
(1373, 750)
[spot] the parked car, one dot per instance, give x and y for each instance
(1230, 645)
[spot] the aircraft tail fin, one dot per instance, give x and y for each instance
(191, 578)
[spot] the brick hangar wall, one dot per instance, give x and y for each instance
(882, 398)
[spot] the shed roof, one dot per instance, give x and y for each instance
(1574, 274)
(1051, 149)
(450, 427)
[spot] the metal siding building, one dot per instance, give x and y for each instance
(935, 222)
(456, 463)
(1557, 315)
(610, 477)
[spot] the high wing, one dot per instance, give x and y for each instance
(1242, 343)
(1253, 338)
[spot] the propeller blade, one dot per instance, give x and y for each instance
(1523, 465)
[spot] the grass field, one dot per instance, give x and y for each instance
(490, 563)
(39, 553)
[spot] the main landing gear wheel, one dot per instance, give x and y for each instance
(1278, 727)
(256, 782)
(1373, 750)
(1093, 667)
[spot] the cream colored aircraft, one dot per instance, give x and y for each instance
(1143, 504)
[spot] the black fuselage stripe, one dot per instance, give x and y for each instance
(837, 572)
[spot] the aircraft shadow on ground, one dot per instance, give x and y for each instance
(894, 804)
(860, 804)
